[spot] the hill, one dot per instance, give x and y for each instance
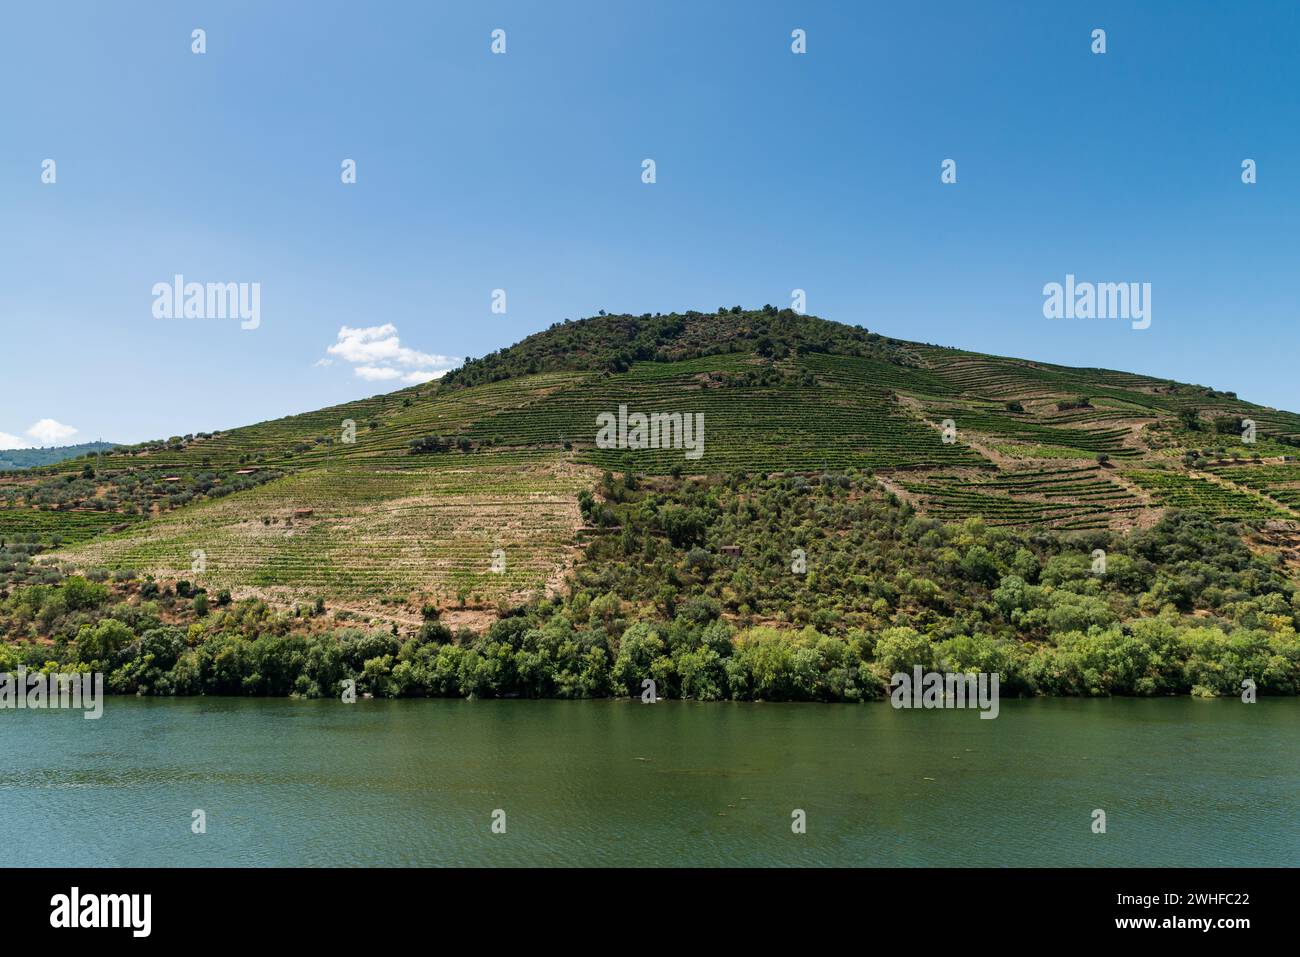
(11, 459)
(1031, 444)
(916, 483)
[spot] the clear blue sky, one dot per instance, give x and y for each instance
(523, 172)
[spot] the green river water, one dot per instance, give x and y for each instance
(292, 782)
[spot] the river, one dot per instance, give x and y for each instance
(419, 782)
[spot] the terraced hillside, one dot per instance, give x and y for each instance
(407, 495)
(464, 528)
(1069, 497)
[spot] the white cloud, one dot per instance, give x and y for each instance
(377, 355)
(8, 441)
(376, 374)
(415, 378)
(50, 432)
(380, 344)
(385, 374)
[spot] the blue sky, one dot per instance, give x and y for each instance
(775, 171)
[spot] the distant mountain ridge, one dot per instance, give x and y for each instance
(11, 459)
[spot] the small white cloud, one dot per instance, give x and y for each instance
(376, 373)
(8, 441)
(324, 362)
(415, 378)
(377, 355)
(384, 374)
(50, 432)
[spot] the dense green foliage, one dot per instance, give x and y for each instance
(1182, 608)
(613, 343)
